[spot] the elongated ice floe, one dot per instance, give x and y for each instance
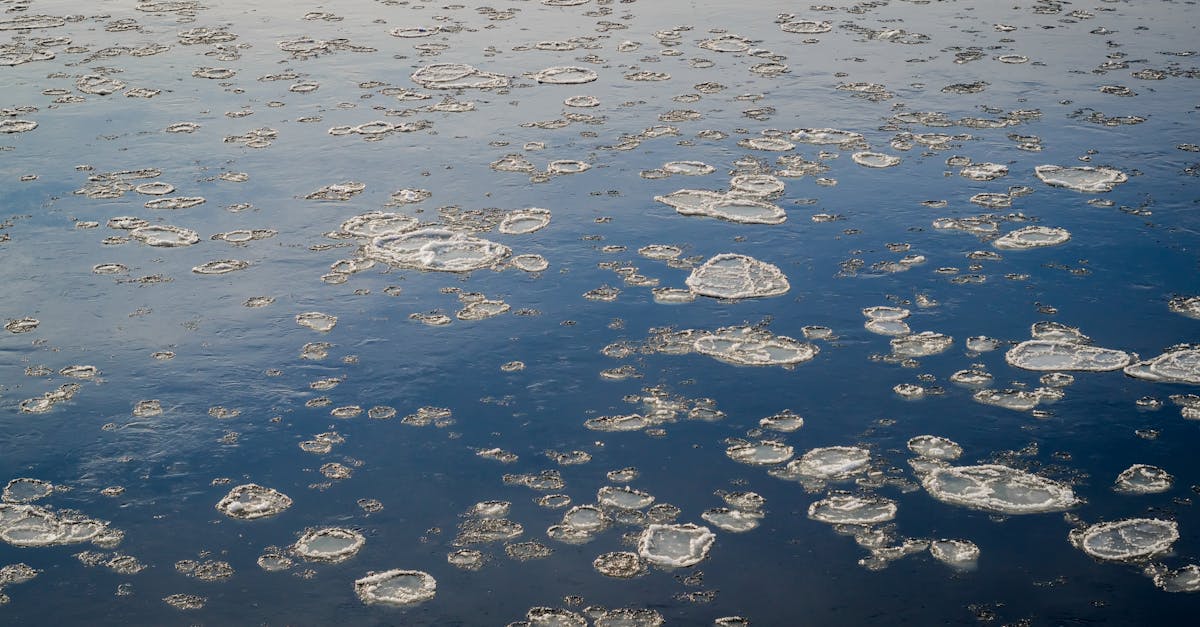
(875, 159)
(376, 223)
(1051, 355)
(733, 276)
(436, 250)
(729, 207)
(1035, 236)
(749, 346)
(457, 76)
(165, 236)
(675, 546)
(1088, 179)
(921, 344)
(998, 488)
(565, 75)
(826, 136)
(1132, 539)
(830, 463)
(765, 453)
(732, 520)
(396, 587)
(847, 509)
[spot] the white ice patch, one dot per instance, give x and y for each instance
(733, 276)
(998, 488)
(1051, 355)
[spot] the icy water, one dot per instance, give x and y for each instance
(599, 312)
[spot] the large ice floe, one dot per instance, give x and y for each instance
(675, 546)
(24, 525)
(732, 276)
(1176, 365)
(437, 250)
(1081, 178)
(998, 488)
(1131, 539)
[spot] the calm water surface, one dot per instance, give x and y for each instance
(253, 109)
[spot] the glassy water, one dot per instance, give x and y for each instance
(770, 246)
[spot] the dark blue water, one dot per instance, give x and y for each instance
(1113, 279)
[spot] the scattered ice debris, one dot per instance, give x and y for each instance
(733, 276)
(396, 587)
(185, 601)
(998, 488)
(1186, 579)
(1128, 540)
(1185, 306)
(620, 565)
